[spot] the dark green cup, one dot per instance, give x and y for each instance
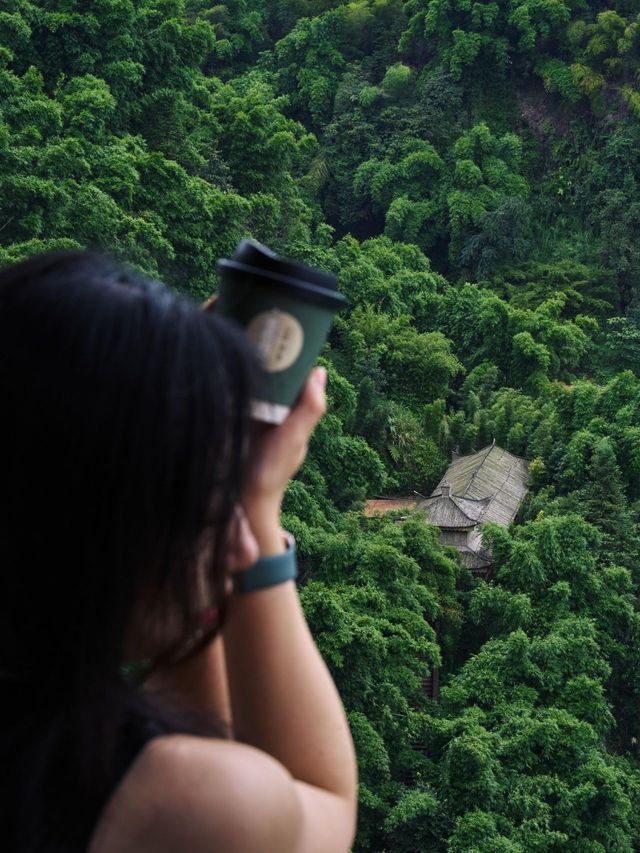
(286, 308)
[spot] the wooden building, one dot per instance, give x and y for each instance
(488, 485)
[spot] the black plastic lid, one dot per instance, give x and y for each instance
(317, 285)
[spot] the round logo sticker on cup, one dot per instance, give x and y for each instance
(278, 337)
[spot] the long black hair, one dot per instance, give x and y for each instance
(123, 441)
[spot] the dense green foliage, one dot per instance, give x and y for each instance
(471, 171)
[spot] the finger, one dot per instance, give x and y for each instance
(209, 304)
(310, 407)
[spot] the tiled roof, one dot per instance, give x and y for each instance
(491, 476)
(452, 511)
(485, 486)
(472, 559)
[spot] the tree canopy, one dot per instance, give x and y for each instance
(470, 171)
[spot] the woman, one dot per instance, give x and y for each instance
(132, 495)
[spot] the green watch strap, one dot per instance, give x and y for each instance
(267, 571)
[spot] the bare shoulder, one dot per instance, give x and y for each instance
(191, 793)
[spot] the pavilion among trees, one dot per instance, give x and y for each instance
(488, 485)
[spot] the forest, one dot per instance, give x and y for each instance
(470, 169)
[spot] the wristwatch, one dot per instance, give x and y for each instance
(268, 571)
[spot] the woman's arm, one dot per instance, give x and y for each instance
(283, 698)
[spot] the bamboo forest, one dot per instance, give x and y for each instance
(470, 170)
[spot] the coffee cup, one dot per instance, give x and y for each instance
(286, 308)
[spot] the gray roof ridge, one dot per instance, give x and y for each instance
(484, 511)
(475, 473)
(472, 500)
(472, 521)
(500, 487)
(466, 515)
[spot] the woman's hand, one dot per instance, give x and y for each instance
(277, 454)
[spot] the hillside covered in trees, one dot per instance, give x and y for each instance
(471, 171)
